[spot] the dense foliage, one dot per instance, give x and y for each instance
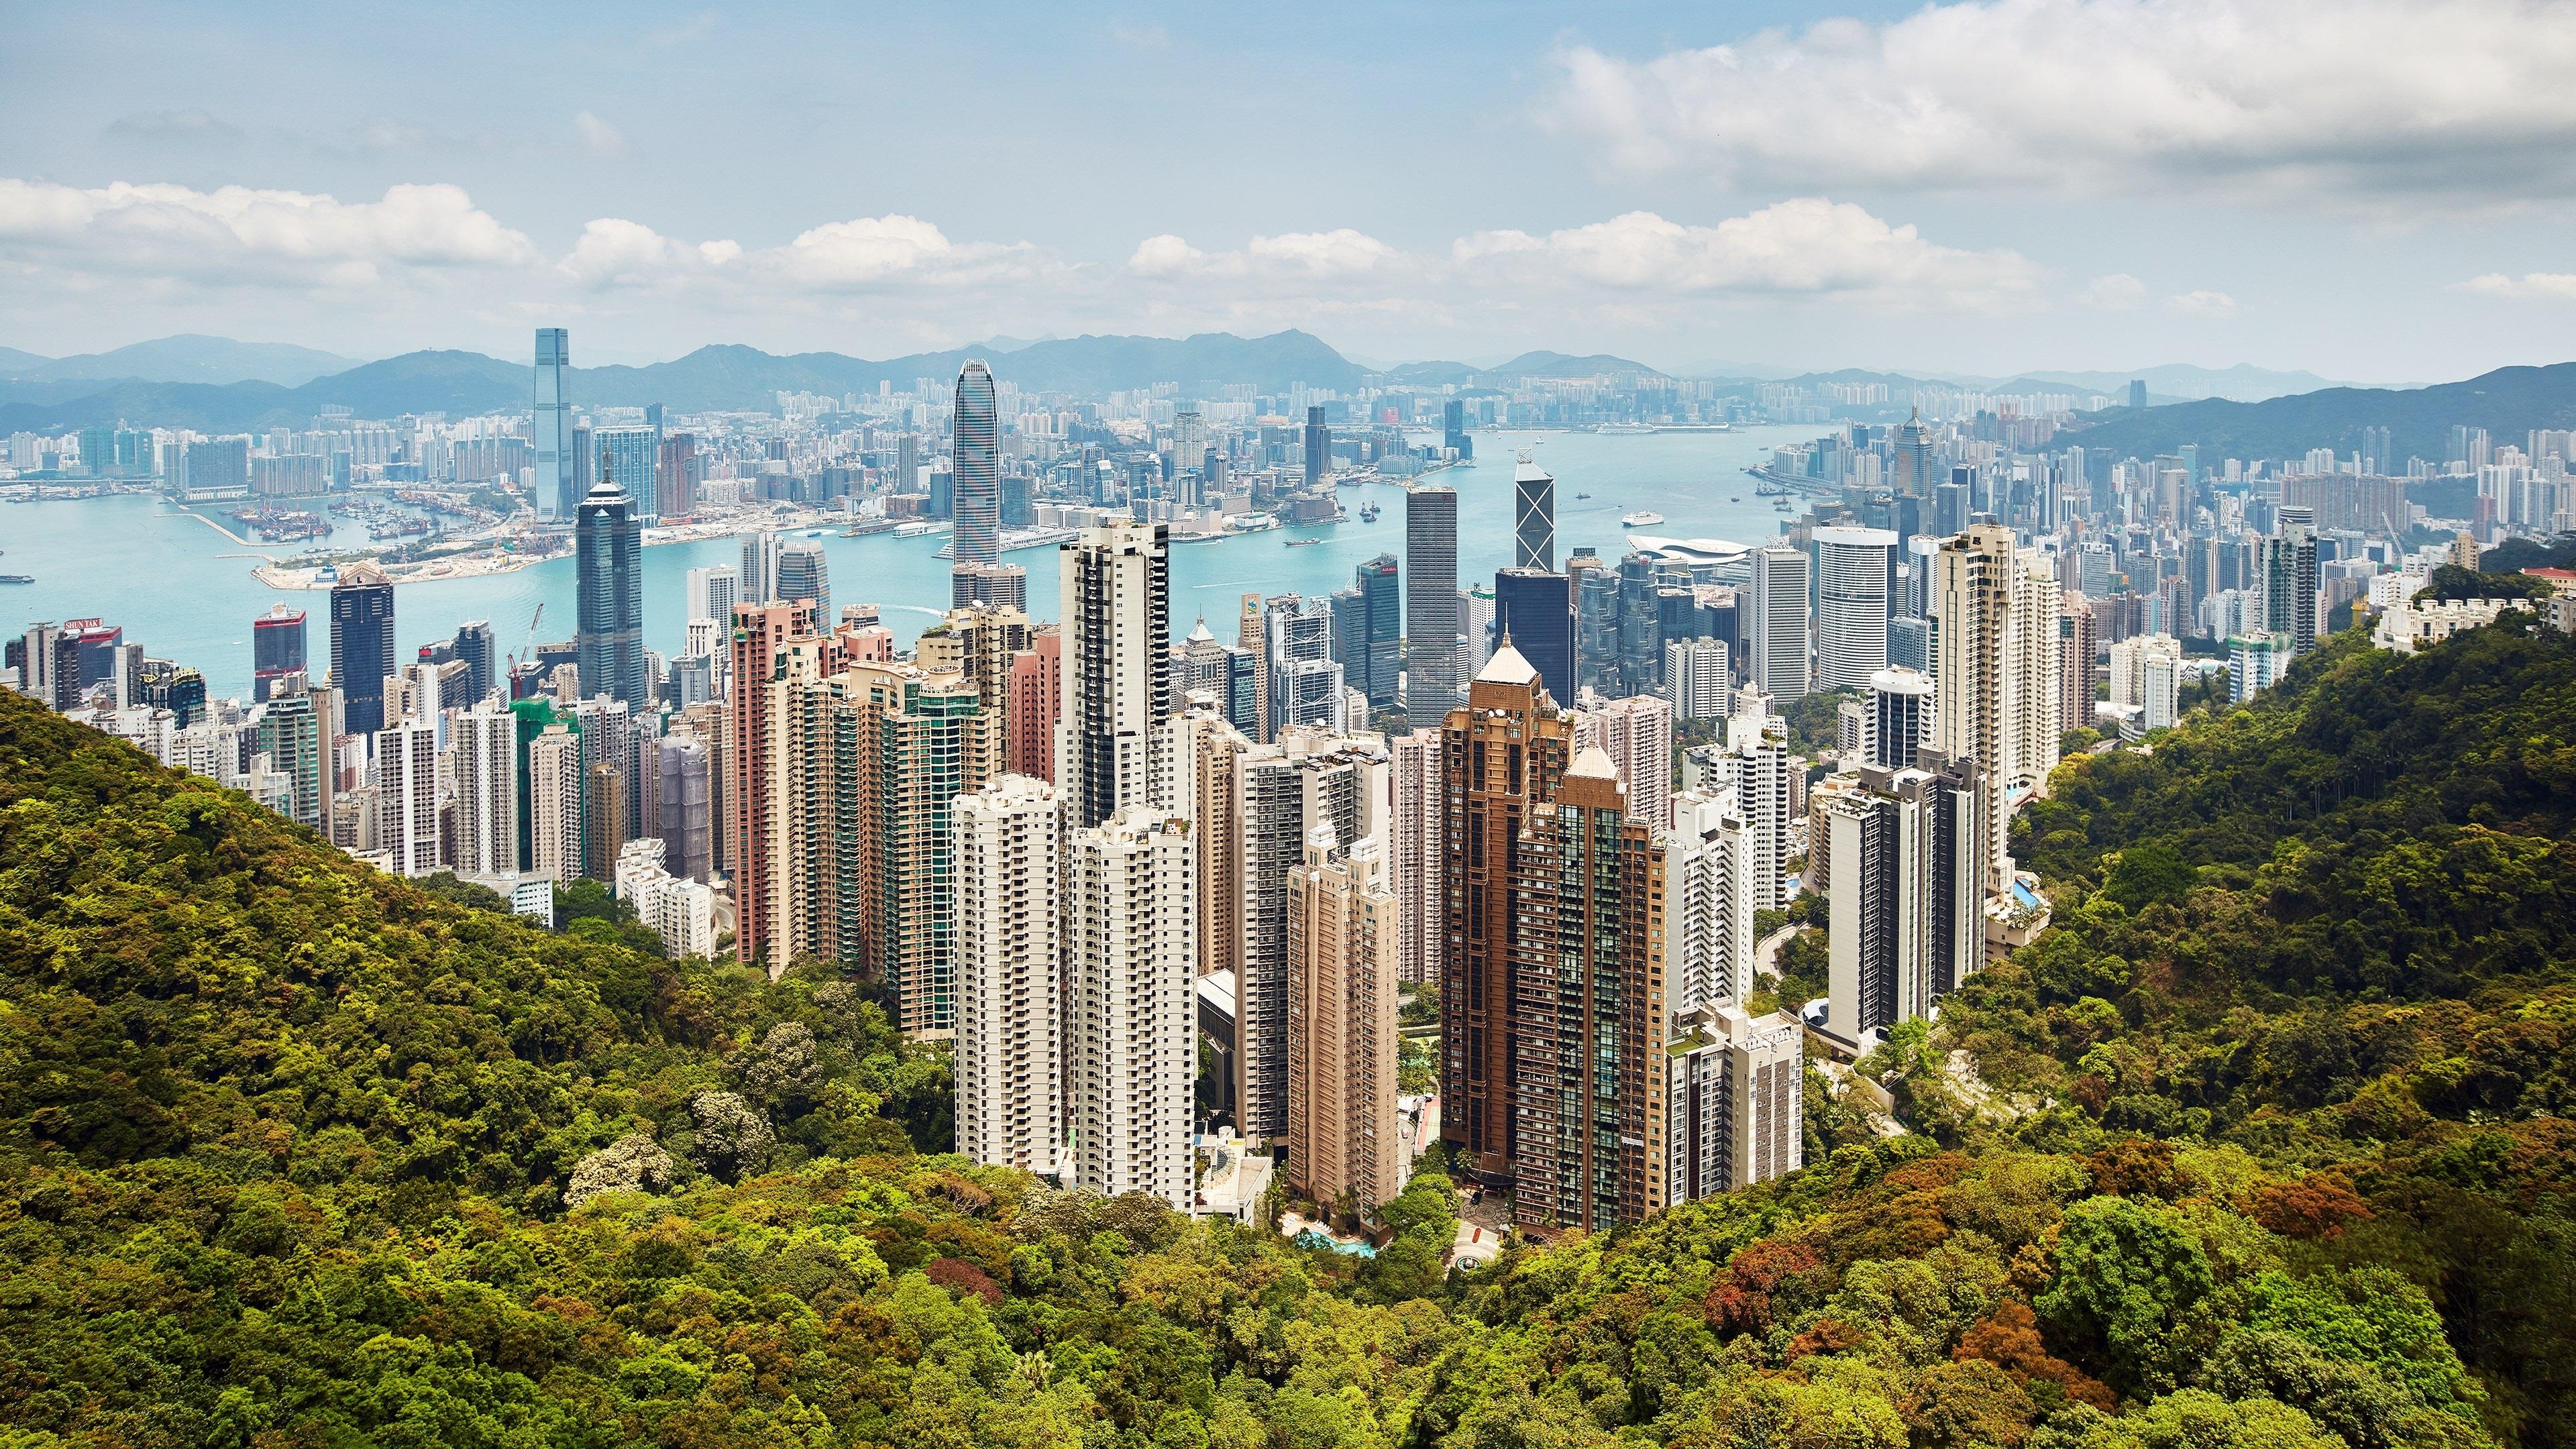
(2450, 581)
(2258, 1147)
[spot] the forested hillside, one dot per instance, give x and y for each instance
(2264, 1153)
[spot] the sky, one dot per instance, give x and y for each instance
(2373, 191)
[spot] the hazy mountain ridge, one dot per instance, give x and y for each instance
(2507, 402)
(185, 357)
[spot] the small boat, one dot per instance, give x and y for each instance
(1368, 513)
(1301, 543)
(1582, 495)
(1737, 499)
(17, 578)
(1642, 518)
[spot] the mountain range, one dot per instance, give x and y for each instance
(188, 357)
(2507, 402)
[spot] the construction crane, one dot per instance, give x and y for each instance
(528, 651)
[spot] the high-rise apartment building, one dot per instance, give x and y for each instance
(1776, 636)
(1637, 734)
(1852, 605)
(977, 464)
(407, 823)
(1010, 1009)
(757, 582)
(1306, 681)
(768, 669)
(1415, 853)
(1995, 676)
(917, 741)
(608, 546)
(1708, 902)
(294, 731)
(1533, 516)
(2146, 671)
(630, 459)
(684, 768)
(1695, 678)
(1207, 789)
(712, 592)
(606, 804)
(2289, 562)
(1116, 613)
(276, 649)
(1907, 893)
(1431, 599)
(1588, 1007)
(1502, 755)
(1130, 941)
(485, 744)
(1735, 1101)
(2076, 647)
(1252, 636)
(1032, 695)
(1308, 777)
(1900, 714)
(1755, 763)
(554, 805)
(558, 484)
(362, 645)
(1341, 1047)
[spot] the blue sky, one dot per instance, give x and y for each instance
(2368, 189)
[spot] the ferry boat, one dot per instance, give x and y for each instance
(1642, 518)
(1368, 513)
(1625, 430)
(1301, 543)
(17, 578)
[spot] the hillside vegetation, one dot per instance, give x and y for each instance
(2265, 1156)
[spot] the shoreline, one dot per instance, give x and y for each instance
(305, 578)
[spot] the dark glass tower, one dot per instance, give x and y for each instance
(1381, 620)
(1319, 447)
(362, 645)
(608, 642)
(977, 470)
(1431, 599)
(276, 649)
(1535, 610)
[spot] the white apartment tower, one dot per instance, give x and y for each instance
(1414, 831)
(407, 797)
(1851, 592)
(1637, 734)
(1130, 944)
(486, 748)
(554, 805)
(1007, 864)
(1734, 1096)
(1755, 764)
(1116, 596)
(1708, 902)
(1695, 681)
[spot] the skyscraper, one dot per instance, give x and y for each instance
(1900, 717)
(684, 801)
(1851, 620)
(1533, 516)
(765, 665)
(407, 797)
(1371, 660)
(1010, 1008)
(1695, 678)
(2290, 579)
(557, 484)
(1501, 758)
(758, 581)
(1588, 1022)
(1032, 697)
(554, 805)
(1431, 599)
(276, 649)
(976, 444)
(1776, 638)
(1708, 902)
(1341, 1023)
(630, 458)
(1735, 1100)
(1911, 475)
(804, 574)
(1534, 612)
(1972, 678)
(2075, 651)
(1637, 734)
(711, 593)
(1130, 940)
(1319, 447)
(362, 645)
(1116, 613)
(608, 547)
(1453, 428)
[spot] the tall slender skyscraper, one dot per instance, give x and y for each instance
(608, 640)
(362, 645)
(1776, 639)
(1907, 893)
(977, 469)
(485, 744)
(557, 484)
(1431, 599)
(1116, 613)
(1414, 835)
(1319, 447)
(1370, 657)
(1533, 516)
(1501, 758)
(1851, 619)
(805, 575)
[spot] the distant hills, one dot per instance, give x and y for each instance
(2507, 402)
(185, 358)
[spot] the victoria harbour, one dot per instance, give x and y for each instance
(126, 557)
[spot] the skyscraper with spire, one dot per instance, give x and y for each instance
(1533, 516)
(608, 638)
(976, 467)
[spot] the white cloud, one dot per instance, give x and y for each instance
(239, 235)
(2118, 292)
(876, 251)
(602, 138)
(2369, 96)
(1294, 257)
(1809, 245)
(2210, 305)
(2542, 286)
(613, 250)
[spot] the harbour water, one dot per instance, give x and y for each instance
(185, 592)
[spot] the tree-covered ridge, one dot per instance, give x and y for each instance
(379, 1169)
